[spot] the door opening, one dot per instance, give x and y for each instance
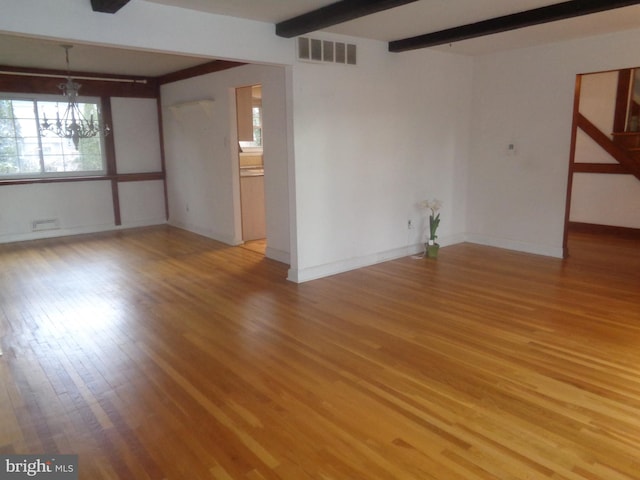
(251, 165)
(605, 151)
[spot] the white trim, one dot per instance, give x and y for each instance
(535, 248)
(278, 255)
(67, 232)
(205, 232)
(328, 269)
(320, 271)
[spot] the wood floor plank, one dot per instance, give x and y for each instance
(158, 354)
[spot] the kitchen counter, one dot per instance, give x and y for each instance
(251, 171)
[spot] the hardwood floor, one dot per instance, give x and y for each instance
(158, 354)
(258, 246)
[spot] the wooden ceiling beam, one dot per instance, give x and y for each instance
(198, 70)
(108, 6)
(536, 16)
(51, 76)
(333, 14)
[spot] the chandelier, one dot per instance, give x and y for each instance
(72, 125)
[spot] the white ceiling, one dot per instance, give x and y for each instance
(423, 16)
(17, 51)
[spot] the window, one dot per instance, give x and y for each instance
(26, 152)
(257, 125)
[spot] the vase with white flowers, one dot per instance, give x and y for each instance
(433, 206)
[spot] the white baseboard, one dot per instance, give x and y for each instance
(59, 232)
(67, 232)
(320, 271)
(205, 232)
(278, 255)
(516, 245)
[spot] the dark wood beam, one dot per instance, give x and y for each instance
(42, 80)
(614, 168)
(613, 149)
(333, 14)
(623, 232)
(210, 67)
(108, 6)
(110, 157)
(537, 16)
(119, 177)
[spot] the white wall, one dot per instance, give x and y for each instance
(367, 149)
(525, 97)
(77, 207)
(137, 138)
(598, 99)
(602, 199)
(202, 158)
(371, 141)
(137, 145)
(84, 207)
(612, 200)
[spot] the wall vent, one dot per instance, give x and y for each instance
(46, 224)
(316, 50)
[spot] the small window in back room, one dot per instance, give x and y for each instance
(256, 114)
(257, 125)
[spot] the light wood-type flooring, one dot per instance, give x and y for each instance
(158, 354)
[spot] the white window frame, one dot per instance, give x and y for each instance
(43, 139)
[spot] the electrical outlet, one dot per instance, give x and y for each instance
(410, 224)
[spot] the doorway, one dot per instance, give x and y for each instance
(602, 187)
(251, 166)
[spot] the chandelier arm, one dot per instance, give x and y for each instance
(73, 125)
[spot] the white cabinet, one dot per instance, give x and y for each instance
(253, 213)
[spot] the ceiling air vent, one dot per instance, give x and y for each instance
(315, 50)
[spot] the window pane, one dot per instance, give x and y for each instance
(8, 146)
(5, 109)
(257, 116)
(89, 163)
(89, 110)
(29, 164)
(7, 129)
(54, 163)
(26, 127)
(9, 165)
(23, 109)
(90, 146)
(26, 150)
(28, 147)
(50, 110)
(66, 146)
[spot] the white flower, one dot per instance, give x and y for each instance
(433, 205)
